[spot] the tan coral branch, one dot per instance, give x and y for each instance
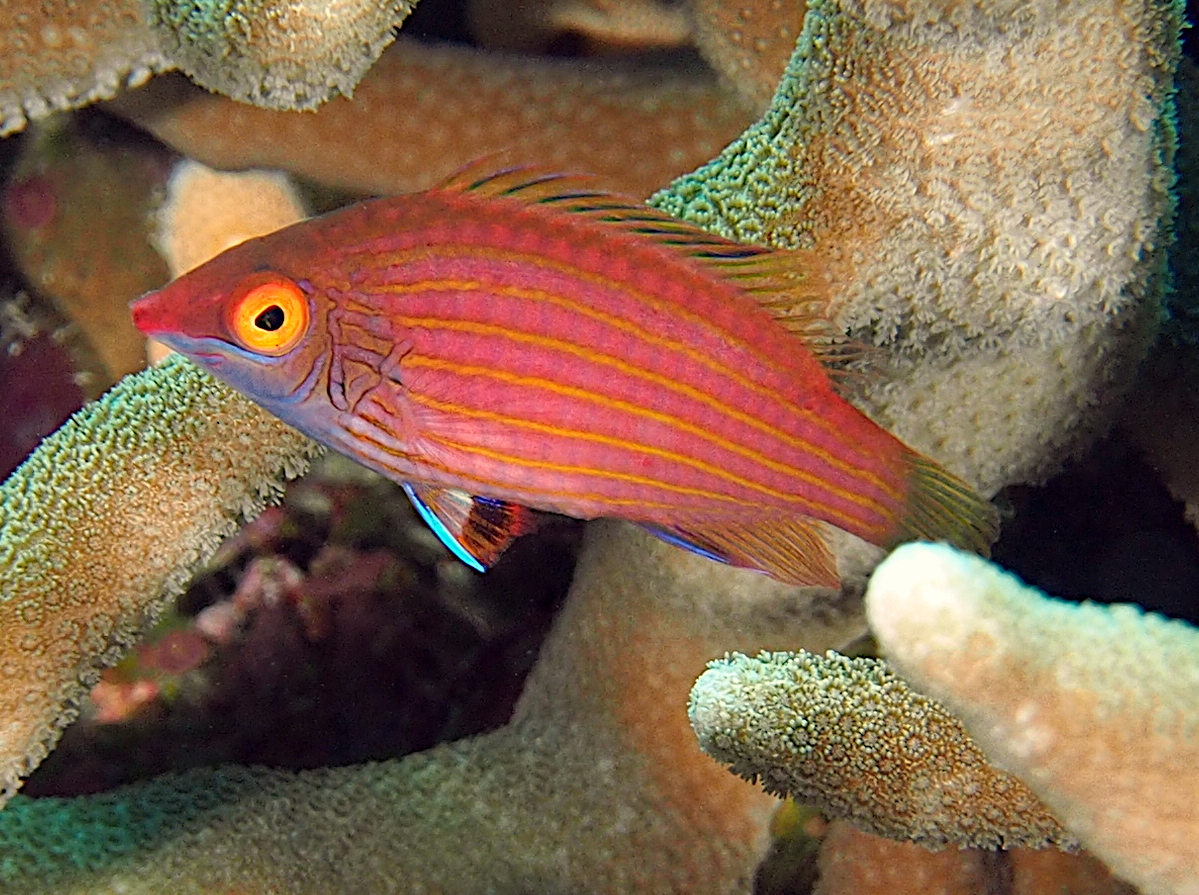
(288, 54)
(62, 54)
(1094, 707)
(425, 111)
(748, 43)
(596, 786)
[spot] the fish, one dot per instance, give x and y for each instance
(515, 343)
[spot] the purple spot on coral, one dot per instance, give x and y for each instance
(38, 393)
(30, 203)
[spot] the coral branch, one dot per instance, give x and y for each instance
(281, 54)
(104, 522)
(1092, 706)
(596, 786)
(992, 199)
(991, 179)
(849, 737)
(425, 111)
(59, 55)
(62, 54)
(748, 43)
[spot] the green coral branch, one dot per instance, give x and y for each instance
(105, 522)
(850, 737)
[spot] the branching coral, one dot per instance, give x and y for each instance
(206, 212)
(974, 183)
(89, 554)
(748, 43)
(66, 53)
(281, 54)
(595, 785)
(425, 111)
(850, 737)
(1093, 707)
(989, 183)
(61, 54)
(167, 459)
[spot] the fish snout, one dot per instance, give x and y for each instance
(149, 314)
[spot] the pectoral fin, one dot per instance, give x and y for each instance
(475, 529)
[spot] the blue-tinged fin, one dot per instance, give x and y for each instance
(477, 530)
(675, 539)
(791, 550)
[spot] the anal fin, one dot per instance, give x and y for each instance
(791, 550)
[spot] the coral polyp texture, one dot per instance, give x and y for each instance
(849, 736)
(283, 54)
(62, 54)
(990, 185)
(425, 111)
(1092, 706)
(169, 458)
(748, 43)
(594, 786)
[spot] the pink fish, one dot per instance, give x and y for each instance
(516, 342)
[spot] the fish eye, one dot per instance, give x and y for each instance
(270, 319)
(270, 316)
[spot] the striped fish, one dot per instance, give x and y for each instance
(515, 342)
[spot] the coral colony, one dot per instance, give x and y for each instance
(990, 189)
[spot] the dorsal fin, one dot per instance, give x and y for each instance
(791, 285)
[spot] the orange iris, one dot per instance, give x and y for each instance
(271, 316)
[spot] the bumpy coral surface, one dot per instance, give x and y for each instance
(426, 111)
(1092, 706)
(903, 135)
(849, 736)
(989, 182)
(168, 459)
(283, 54)
(62, 54)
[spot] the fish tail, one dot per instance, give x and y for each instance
(942, 507)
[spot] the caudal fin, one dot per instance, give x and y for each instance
(941, 507)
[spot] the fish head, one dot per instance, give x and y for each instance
(251, 318)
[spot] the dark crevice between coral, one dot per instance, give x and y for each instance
(1105, 529)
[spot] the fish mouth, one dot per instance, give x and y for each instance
(147, 315)
(152, 318)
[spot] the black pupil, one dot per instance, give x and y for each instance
(270, 319)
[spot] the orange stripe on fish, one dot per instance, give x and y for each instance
(814, 506)
(515, 341)
(504, 256)
(431, 286)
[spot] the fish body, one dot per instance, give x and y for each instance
(519, 342)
